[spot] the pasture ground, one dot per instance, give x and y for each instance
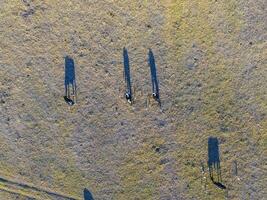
(211, 60)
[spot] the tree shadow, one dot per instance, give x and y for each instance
(127, 76)
(214, 161)
(154, 78)
(70, 81)
(87, 194)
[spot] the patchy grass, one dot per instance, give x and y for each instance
(210, 57)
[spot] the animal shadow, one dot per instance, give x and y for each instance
(154, 78)
(87, 194)
(70, 81)
(127, 77)
(214, 161)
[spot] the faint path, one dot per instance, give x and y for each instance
(16, 187)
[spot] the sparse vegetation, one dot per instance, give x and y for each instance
(211, 66)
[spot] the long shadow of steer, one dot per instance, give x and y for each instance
(70, 81)
(154, 78)
(127, 77)
(214, 161)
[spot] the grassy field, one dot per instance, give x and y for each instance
(211, 59)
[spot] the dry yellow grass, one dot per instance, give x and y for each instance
(211, 60)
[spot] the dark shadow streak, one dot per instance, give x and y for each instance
(154, 78)
(70, 81)
(127, 76)
(87, 194)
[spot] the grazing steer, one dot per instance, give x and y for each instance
(128, 97)
(69, 101)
